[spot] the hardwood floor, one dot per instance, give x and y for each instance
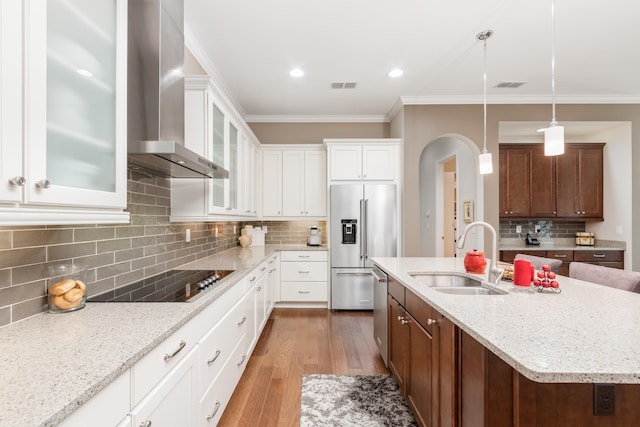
(297, 342)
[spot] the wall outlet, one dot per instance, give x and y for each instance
(619, 230)
(187, 235)
(234, 230)
(604, 399)
(518, 229)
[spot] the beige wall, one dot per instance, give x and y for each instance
(314, 133)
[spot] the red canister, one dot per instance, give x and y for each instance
(475, 262)
(522, 272)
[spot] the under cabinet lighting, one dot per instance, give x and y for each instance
(296, 72)
(396, 72)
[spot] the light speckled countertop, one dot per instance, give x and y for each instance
(586, 334)
(50, 364)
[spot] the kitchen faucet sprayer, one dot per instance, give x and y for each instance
(495, 273)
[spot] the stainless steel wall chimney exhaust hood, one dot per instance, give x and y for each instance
(156, 93)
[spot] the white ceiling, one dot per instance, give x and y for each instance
(250, 46)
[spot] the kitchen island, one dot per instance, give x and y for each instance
(521, 355)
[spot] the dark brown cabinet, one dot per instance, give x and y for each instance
(515, 182)
(422, 358)
(568, 186)
(608, 258)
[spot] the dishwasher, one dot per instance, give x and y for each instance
(380, 317)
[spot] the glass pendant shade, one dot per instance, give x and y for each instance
(485, 163)
(554, 140)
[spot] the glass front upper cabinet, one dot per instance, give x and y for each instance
(77, 101)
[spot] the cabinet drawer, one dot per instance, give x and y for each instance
(217, 396)
(304, 271)
(564, 256)
(303, 256)
(146, 373)
(396, 290)
(303, 291)
(598, 256)
(217, 345)
(420, 310)
(509, 256)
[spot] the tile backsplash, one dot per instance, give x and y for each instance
(548, 229)
(115, 254)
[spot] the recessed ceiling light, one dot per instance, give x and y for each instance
(296, 72)
(396, 72)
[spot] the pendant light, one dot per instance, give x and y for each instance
(485, 162)
(554, 134)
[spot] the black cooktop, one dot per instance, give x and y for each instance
(170, 286)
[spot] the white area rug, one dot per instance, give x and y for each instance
(353, 400)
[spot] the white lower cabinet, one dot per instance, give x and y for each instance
(172, 401)
(304, 276)
(105, 409)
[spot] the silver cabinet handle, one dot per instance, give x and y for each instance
(259, 289)
(244, 357)
(304, 271)
(168, 357)
(215, 356)
(17, 180)
(145, 423)
(244, 319)
(404, 322)
(401, 318)
(599, 256)
(263, 268)
(252, 279)
(43, 183)
(215, 410)
(560, 256)
(304, 256)
(431, 321)
(304, 292)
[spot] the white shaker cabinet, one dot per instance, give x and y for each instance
(73, 128)
(363, 159)
(294, 182)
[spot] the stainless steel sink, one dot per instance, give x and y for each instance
(477, 290)
(446, 280)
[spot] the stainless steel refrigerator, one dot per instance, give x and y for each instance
(363, 224)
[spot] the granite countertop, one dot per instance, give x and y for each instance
(51, 364)
(586, 334)
(510, 244)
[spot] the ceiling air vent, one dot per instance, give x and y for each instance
(510, 84)
(342, 85)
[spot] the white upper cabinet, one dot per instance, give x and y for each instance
(363, 160)
(212, 130)
(294, 181)
(73, 121)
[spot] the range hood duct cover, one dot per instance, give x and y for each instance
(156, 93)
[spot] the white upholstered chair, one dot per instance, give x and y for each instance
(607, 276)
(538, 262)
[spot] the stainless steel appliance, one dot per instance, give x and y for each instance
(380, 289)
(170, 286)
(363, 225)
(314, 238)
(155, 105)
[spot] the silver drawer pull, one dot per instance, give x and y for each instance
(252, 279)
(145, 423)
(561, 256)
(259, 289)
(263, 268)
(599, 256)
(43, 183)
(215, 411)
(244, 319)
(304, 271)
(215, 356)
(304, 256)
(431, 321)
(244, 357)
(17, 180)
(304, 292)
(168, 357)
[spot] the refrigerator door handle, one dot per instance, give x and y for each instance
(365, 228)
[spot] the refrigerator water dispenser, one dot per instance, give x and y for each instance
(349, 231)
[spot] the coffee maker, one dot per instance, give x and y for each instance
(314, 238)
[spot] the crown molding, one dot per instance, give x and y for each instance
(314, 119)
(519, 99)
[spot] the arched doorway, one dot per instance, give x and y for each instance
(448, 178)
